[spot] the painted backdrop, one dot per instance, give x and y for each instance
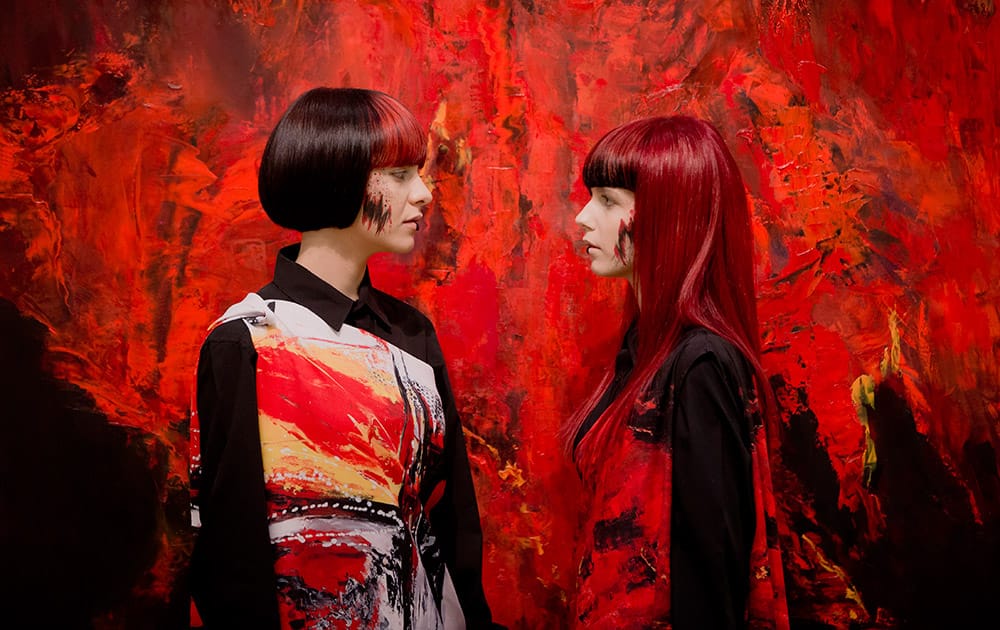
(867, 132)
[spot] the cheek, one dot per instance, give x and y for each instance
(623, 243)
(375, 212)
(377, 186)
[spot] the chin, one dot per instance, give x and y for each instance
(601, 270)
(613, 271)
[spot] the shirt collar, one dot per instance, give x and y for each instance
(333, 307)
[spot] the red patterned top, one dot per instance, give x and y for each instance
(679, 529)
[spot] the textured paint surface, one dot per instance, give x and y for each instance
(867, 132)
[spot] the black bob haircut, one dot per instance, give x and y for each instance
(315, 167)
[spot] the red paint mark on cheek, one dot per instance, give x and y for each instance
(623, 246)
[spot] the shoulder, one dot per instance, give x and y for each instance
(235, 331)
(711, 379)
(228, 339)
(702, 348)
(402, 314)
(702, 364)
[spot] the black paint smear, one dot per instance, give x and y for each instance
(803, 454)
(80, 512)
(376, 211)
(982, 460)
(616, 532)
(935, 567)
(640, 570)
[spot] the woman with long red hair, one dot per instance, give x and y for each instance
(679, 529)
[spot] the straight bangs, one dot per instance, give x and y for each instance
(614, 160)
(397, 138)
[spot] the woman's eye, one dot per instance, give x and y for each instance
(607, 200)
(400, 175)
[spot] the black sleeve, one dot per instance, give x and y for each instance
(455, 517)
(712, 506)
(231, 575)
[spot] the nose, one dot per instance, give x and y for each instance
(582, 218)
(420, 195)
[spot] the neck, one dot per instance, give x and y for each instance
(332, 256)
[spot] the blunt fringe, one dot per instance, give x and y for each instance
(693, 261)
(315, 167)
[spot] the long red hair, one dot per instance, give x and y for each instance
(693, 262)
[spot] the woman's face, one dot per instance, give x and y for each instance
(393, 209)
(607, 231)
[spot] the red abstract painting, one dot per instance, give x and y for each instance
(867, 132)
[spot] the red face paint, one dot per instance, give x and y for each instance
(623, 248)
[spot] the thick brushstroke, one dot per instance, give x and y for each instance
(867, 133)
(80, 503)
(376, 212)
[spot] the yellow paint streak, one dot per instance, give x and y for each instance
(305, 468)
(478, 438)
(533, 542)
(891, 355)
(863, 396)
(513, 474)
(438, 125)
(439, 129)
(826, 563)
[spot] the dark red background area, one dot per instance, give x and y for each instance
(867, 134)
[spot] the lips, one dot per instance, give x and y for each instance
(415, 221)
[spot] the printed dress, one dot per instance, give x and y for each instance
(330, 485)
(347, 424)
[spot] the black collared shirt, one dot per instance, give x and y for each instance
(232, 567)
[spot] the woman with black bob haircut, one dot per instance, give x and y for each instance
(678, 529)
(330, 482)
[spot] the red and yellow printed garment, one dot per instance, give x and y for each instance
(348, 423)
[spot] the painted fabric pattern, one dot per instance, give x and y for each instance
(348, 424)
(624, 569)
